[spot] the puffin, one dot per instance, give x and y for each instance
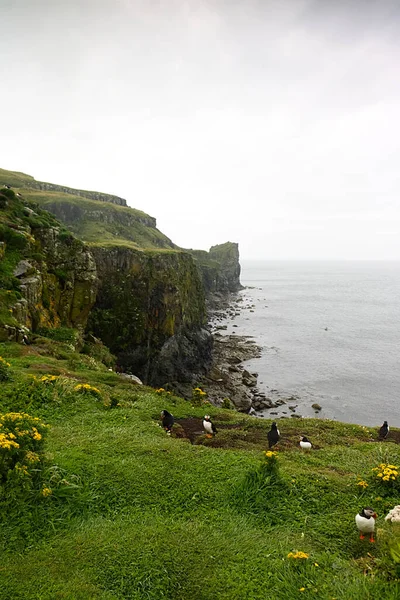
(384, 430)
(209, 427)
(273, 435)
(365, 521)
(167, 420)
(305, 443)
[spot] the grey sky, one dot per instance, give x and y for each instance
(272, 123)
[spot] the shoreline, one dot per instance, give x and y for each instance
(229, 377)
(228, 381)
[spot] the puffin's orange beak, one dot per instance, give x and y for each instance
(375, 516)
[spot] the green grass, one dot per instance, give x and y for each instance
(147, 516)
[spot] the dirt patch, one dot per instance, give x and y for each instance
(393, 436)
(193, 427)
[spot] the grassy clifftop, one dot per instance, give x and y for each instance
(116, 509)
(94, 217)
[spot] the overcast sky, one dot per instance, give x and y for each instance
(273, 123)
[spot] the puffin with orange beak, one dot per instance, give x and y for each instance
(365, 521)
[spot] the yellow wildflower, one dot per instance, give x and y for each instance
(362, 484)
(298, 554)
(46, 492)
(32, 457)
(270, 454)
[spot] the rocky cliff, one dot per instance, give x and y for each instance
(47, 276)
(150, 304)
(219, 268)
(150, 312)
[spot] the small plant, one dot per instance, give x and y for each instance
(227, 403)
(85, 388)
(198, 396)
(4, 370)
(114, 402)
(386, 476)
(298, 555)
(162, 392)
(21, 446)
(362, 484)
(262, 485)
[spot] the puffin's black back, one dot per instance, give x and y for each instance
(167, 419)
(273, 435)
(384, 430)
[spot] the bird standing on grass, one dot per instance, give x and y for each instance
(167, 420)
(273, 435)
(365, 521)
(305, 443)
(383, 431)
(209, 427)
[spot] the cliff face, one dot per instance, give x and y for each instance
(150, 312)
(150, 305)
(47, 277)
(219, 268)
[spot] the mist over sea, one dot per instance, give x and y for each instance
(330, 334)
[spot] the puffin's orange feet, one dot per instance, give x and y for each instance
(371, 539)
(361, 536)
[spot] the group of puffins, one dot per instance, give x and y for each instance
(168, 420)
(365, 519)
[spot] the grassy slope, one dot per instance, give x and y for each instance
(152, 517)
(92, 229)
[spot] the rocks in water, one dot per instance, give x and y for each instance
(316, 407)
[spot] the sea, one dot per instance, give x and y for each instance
(329, 334)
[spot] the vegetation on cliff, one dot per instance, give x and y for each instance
(47, 276)
(107, 506)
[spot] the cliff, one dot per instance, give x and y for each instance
(150, 304)
(47, 276)
(150, 312)
(219, 268)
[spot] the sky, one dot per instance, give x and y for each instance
(271, 123)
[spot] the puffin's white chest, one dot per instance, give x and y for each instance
(305, 445)
(365, 525)
(207, 426)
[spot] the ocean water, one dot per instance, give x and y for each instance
(330, 334)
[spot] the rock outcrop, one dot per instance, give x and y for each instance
(219, 268)
(150, 312)
(48, 276)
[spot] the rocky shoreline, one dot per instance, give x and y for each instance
(228, 382)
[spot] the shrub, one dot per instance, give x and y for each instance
(21, 446)
(13, 239)
(261, 485)
(198, 396)
(60, 334)
(85, 388)
(39, 391)
(99, 352)
(4, 370)
(386, 477)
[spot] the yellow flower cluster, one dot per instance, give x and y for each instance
(46, 492)
(32, 457)
(85, 387)
(270, 453)
(362, 484)
(4, 362)
(298, 555)
(47, 378)
(386, 472)
(199, 392)
(161, 391)
(22, 469)
(7, 441)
